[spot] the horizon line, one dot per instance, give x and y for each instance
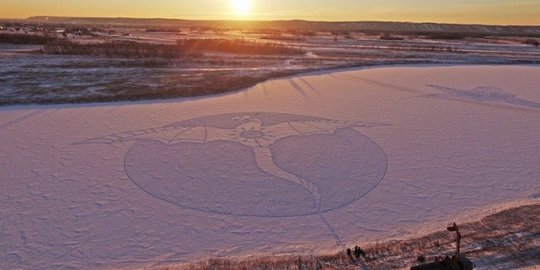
(275, 20)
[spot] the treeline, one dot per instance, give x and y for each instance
(236, 46)
(532, 42)
(163, 30)
(187, 47)
(424, 48)
(123, 49)
(26, 39)
(453, 36)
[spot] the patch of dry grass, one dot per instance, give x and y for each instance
(183, 48)
(509, 238)
(11, 38)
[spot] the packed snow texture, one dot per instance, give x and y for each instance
(301, 164)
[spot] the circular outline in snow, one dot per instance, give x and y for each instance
(255, 164)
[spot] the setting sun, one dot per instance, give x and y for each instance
(241, 7)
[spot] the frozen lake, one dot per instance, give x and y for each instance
(302, 164)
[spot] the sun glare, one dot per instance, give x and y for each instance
(241, 7)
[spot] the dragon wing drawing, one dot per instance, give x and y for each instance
(250, 131)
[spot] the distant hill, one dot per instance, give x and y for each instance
(367, 26)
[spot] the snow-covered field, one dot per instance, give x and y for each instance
(302, 164)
